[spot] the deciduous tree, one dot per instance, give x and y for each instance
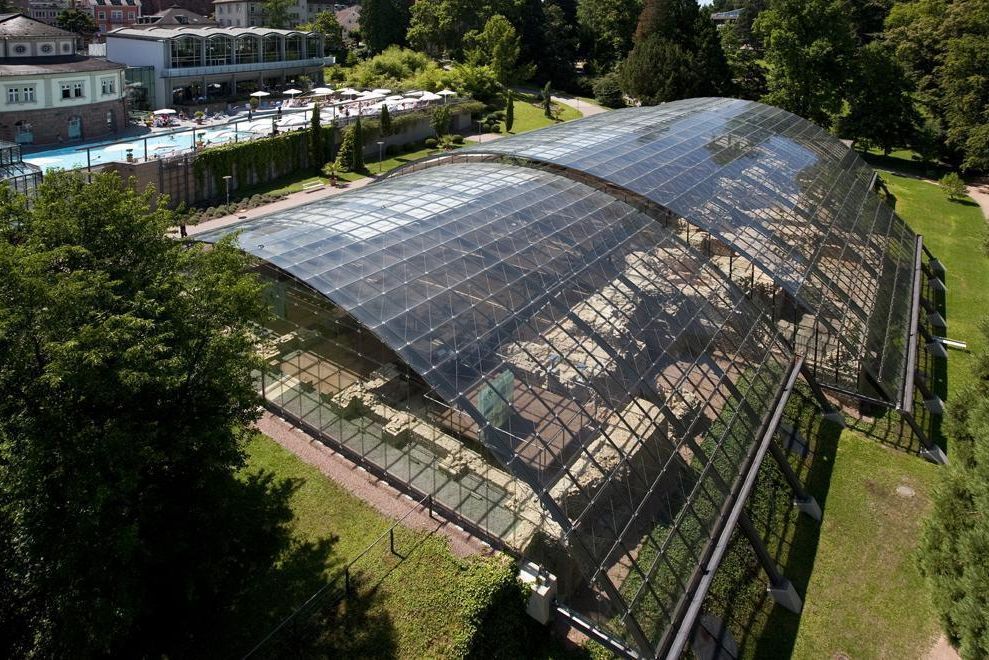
(78, 21)
(606, 29)
(326, 23)
(384, 23)
(809, 52)
(275, 13)
(880, 108)
(498, 46)
(126, 383)
(677, 54)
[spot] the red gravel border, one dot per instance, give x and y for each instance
(361, 483)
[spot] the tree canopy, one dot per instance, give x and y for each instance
(275, 13)
(677, 54)
(78, 21)
(498, 46)
(880, 108)
(809, 51)
(126, 385)
(956, 535)
(326, 23)
(383, 23)
(606, 29)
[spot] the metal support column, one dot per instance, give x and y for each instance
(801, 498)
(932, 401)
(828, 411)
(780, 589)
(930, 451)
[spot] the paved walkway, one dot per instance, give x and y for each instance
(979, 191)
(360, 483)
(290, 201)
(583, 106)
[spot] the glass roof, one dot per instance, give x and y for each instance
(776, 188)
(606, 363)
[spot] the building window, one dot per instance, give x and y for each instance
(272, 48)
(28, 94)
(66, 91)
(293, 47)
(77, 90)
(101, 15)
(186, 52)
(46, 48)
(219, 51)
(108, 86)
(247, 50)
(66, 47)
(13, 95)
(23, 133)
(20, 49)
(116, 15)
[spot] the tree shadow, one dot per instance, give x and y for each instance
(281, 582)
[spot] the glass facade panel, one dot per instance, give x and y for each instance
(555, 365)
(186, 52)
(219, 51)
(790, 207)
(272, 45)
(247, 50)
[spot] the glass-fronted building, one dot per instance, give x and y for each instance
(579, 340)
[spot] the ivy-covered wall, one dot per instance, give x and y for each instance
(249, 163)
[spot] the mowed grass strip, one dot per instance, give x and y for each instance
(865, 597)
(408, 608)
(954, 232)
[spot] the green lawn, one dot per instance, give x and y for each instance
(529, 115)
(407, 609)
(954, 231)
(865, 597)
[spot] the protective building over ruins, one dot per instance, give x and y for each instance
(580, 341)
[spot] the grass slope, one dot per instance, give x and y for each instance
(865, 597)
(954, 231)
(407, 609)
(529, 115)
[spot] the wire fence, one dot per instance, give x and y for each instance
(300, 631)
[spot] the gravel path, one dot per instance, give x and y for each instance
(979, 191)
(366, 486)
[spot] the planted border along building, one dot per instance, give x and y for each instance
(580, 341)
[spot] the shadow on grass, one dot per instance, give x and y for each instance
(738, 593)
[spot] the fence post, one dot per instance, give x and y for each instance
(391, 540)
(346, 581)
(429, 503)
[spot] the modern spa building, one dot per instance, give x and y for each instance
(191, 63)
(582, 341)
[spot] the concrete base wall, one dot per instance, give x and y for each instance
(51, 126)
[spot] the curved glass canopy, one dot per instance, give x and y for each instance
(772, 187)
(605, 363)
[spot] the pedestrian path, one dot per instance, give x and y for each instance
(289, 201)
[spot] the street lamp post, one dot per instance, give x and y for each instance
(380, 145)
(226, 180)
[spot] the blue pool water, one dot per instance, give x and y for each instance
(164, 144)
